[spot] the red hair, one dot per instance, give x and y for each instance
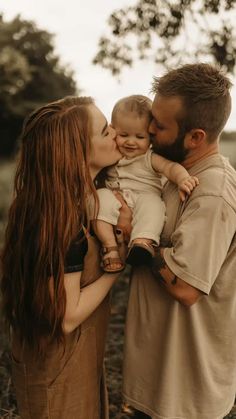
(51, 187)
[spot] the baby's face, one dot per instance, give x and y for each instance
(132, 134)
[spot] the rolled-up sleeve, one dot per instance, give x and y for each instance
(201, 241)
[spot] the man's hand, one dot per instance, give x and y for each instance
(125, 218)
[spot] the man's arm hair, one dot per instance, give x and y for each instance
(181, 291)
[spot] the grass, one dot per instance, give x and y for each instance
(7, 170)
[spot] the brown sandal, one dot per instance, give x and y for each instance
(107, 262)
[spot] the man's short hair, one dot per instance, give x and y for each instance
(205, 94)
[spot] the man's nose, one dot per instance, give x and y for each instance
(151, 128)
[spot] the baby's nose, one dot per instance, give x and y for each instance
(130, 139)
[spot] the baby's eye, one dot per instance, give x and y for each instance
(123, 135)
(140, 136)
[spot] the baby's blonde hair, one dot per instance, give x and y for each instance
(139, 104)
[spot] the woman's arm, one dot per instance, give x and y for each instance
(87, 289)
(81, 303)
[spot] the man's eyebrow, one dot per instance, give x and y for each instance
(104, 128)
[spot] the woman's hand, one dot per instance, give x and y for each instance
(125, 218)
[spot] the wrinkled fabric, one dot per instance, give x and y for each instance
(70, 384)
(180, 363)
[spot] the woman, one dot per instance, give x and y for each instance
(55, 298)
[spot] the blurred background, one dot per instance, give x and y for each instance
(106, 49)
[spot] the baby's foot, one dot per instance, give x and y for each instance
(141, 252)
(111, 260)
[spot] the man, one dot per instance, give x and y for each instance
(180, 345)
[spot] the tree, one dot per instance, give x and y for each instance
(30, 75)
(170, 33)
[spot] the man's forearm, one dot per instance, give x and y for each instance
(161, 271)
(176, 287)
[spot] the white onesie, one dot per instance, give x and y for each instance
(140, 186)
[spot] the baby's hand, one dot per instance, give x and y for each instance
(186, 186)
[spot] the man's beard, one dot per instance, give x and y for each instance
(175, 152)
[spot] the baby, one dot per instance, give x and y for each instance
(138, 177)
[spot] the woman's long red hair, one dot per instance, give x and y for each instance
(51, 187)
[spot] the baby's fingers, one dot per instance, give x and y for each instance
(194, 180)
(190, 183)
(182, 195)
(185, 187)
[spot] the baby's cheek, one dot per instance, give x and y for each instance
(119, 141)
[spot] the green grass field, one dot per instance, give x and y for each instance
(7, 170)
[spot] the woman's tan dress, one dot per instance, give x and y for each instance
(68, 385)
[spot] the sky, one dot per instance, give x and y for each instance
(77, 26)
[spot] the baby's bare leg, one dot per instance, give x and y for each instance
(104, 232)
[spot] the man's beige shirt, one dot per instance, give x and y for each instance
(180, 363)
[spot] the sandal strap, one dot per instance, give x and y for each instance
(109, 261)
(150, 247)
(105, 250)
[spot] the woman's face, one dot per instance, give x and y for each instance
(104, 151)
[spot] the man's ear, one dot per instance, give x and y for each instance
(194, 138)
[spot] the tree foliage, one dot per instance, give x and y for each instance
(30, 75)
(170, 33)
